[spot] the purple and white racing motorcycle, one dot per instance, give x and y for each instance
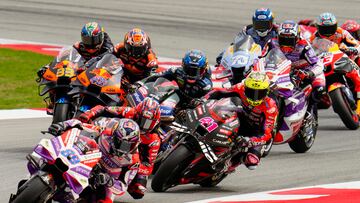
(58, 164)
(297, 120)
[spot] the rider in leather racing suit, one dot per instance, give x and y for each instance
(262, 29)
(353, 28)
(95, 43)
(328, 29)
(118, 140)
(193, 77)
(147, 115)
(257, 120)
(303, 58)
(136, 54)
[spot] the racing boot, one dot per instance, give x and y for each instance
(251, 161)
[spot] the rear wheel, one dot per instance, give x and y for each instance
(342, 108)
(33, 191)
(170, 169)
(305, 138)
(61, 112)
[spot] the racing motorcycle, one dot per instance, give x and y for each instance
(203, 154)
(236, 62)
(57, 82)
(164, 91)
(58, 164)
(297, 120)
(339, 88)
(100, 84)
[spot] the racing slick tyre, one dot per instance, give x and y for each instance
(60, 112)
(32, 191)
(341, 106)
(212, 181)
(170, 169)
(305, 138)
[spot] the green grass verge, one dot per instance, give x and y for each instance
(18, 88)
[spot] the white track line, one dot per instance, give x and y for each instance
(267, 196)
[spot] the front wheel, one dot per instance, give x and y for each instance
(305, 138)
(342, 108)
(32, 191)
(169, 171)
(61, 112)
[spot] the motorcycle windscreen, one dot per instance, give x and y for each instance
(322, 46)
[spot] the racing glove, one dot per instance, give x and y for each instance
(57, 128)
(137, 187)
(41, 71)
(351, 51)
(304, 74)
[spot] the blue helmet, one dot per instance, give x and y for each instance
(194, 65)
(326, 24)
(263, 20)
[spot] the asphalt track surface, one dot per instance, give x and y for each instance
(174, 27)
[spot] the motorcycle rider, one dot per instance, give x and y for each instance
(95, 43)
(257, 118)
(118, 141)
(353, 28)
(306, 64)
(327, 28)
(262, 29)
(147, 115)
(137, 55)
(193, 78)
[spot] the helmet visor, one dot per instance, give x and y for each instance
(136, 51)
(92, 42)
(262, 25)
(255, 94)
(357, 34)
(327, 30)
(121, 146)
(147, 124)
(288, 41)
(193, 72)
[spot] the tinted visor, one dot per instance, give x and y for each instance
(356, 34)
(136, 52)
(146, 124)
(288, 41)
(92, 42)
(327, 30)
(255, 94)
(121, 146)
(262, 25)
(193, 72)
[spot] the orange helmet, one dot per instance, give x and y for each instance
(137, 43)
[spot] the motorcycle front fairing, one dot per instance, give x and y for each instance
(62, 153)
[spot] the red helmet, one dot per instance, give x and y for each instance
(137, 43)
(148, 114)
(352, 27)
